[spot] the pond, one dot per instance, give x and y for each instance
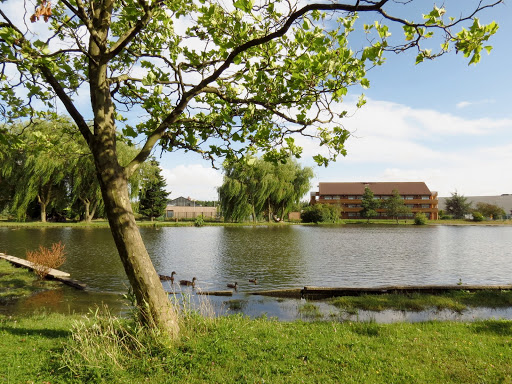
(291, 256)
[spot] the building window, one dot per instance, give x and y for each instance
(351, 197)
(425, 197)
(410, 205)
(170, 214)
(425, 206)
(327, 197)
(409, 197)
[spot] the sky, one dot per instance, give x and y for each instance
(442, 122)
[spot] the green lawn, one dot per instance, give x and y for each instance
(238, 350)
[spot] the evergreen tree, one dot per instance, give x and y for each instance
(369, 204)
(457, 206)
(153, 196)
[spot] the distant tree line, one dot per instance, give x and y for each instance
(47, 172)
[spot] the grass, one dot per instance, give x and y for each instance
(100, 348)
(235, 349)
(454, 300)
(19, 282)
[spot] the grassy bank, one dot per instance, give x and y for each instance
(102, 349)
(67, 349)
(20, 282)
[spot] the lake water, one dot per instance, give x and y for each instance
(279, 257)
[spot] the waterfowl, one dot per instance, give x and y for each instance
(188, 283)
(230, 285)
(255, 281)
(168, 278)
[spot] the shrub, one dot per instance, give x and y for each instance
(320, 213)
(477, 216)
(199, 221)
(47, 258)
(420, 219)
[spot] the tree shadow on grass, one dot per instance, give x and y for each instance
(48, 333)
(497, 327)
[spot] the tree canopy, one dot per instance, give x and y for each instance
(395, 206)
(457, 206)
(255, 187)
(369, 204)
(216, 78)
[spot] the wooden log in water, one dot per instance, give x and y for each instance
(215, 293)
(309, 292)
(55, 274)
(295, 293)
(324, 292)
(28, 264)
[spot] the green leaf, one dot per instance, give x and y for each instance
(243, 5)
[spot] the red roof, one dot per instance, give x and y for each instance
(378, 188)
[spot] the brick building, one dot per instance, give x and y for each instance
(348, 196)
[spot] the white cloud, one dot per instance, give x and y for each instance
(465, 104)
(450, 153)
(192, 180)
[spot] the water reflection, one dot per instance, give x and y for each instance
(282, 257)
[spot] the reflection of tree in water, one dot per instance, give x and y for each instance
(236, 305)
(270, 254)
(51, 300)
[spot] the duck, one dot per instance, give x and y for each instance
(168, 278)
(189, 283)
(231, 285)
(255, 281)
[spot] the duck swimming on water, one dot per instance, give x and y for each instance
(235, 286)
(168, 278)
(189, 283)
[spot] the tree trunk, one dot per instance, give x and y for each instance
(152, 301)
(43, 211)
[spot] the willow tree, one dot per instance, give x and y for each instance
(38, 165)
(210, 77)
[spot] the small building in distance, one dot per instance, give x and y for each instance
(348, 196)
(186, 208)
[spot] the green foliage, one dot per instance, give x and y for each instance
(477, 216)
(321, 213)
(199, 221)
(457, 206)
(153, 196)
(491, 211)
(369, 204)
(420, 219)
(395, 206)
(256, 186)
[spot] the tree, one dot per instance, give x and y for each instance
(203, 78)
(257, 186)
(369, 204)
(457, 206)
(38, 166)
(395, 206)
(321, 213)
(153, 197)
(491, 211)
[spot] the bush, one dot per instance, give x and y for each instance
(420, 219)
(46, 259)
(477, 216)
(446, 217)
(320, 213)
(199, 221)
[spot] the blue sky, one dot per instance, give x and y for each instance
(442, 122)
